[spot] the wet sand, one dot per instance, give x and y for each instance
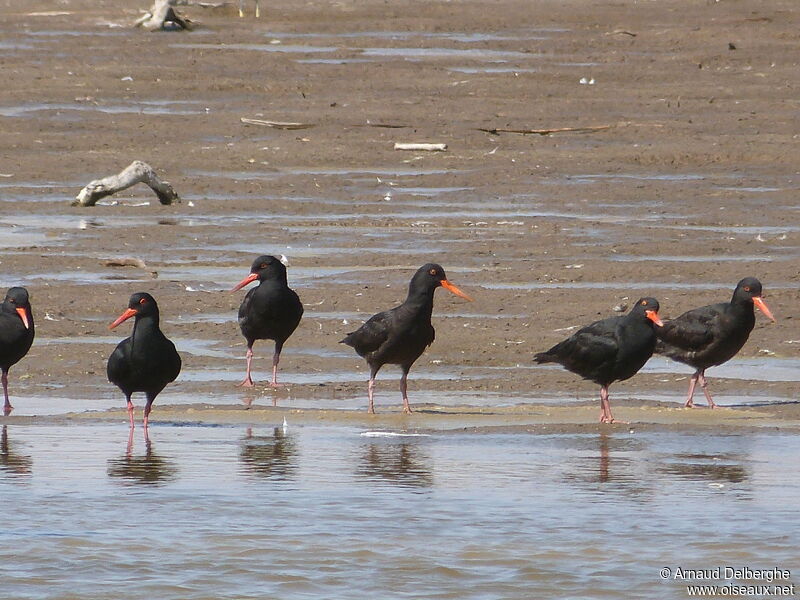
(690, 186)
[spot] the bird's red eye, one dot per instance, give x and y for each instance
(143, 300)
(263, 266)
(747, 288)
(432, 271)
(644, 302)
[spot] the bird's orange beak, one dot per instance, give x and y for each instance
(131, 312)
(762, 306)
(23, 314)
(249, 279)
(653, 316)
(451, 288)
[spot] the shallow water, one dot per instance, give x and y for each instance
(311, 512)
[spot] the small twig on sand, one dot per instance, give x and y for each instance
(276, 124)
(136, 172)
(497, 130)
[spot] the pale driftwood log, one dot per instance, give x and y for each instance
(160, 16)
(136, 172)
(241, 9)
(125, 261)
(420, 147)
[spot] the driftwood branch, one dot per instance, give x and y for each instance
(136, 172)
(497, 130)
(162, 16)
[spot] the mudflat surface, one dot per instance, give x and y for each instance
(687, 183)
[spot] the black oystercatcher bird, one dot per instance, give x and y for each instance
(16, 334)
(399, 336)
(610, 350)
(145, 362)
(711, 335)
(270, 311)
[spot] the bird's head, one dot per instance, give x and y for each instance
(263, 268)
(141, 304)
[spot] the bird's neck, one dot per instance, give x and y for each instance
(145, 325)
(273, 283)
(420, 301)
(742, 305)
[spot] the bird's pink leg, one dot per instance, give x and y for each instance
(605, 405)
(704, 385)
(692, 384)
(248, 381)
(147, 408)
(7, 408)
(276, 357)
(404, 391)
(370, 390)
(130, 412)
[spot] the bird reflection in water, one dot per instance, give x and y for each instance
(404, 464)
(713, 468)
(608, 460)
(148, 469)
(12, 463)
(269, 456)
(602, 470)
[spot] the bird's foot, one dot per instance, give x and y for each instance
(609, 419)
(689, 404)
(275, 384)
(712, 404)
(407, 410)
(7, 408)
(246, 383)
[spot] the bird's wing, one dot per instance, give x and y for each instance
(372, 334)
(118, 364)
(244, 307)
(594, 344)
(691, 331)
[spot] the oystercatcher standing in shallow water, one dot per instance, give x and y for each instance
(146, 361)
(16, 334)
(711, 335)
(610, 350)
(399, 336)
(270, 311)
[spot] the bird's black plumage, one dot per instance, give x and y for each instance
(270, 311)
(16, 334)
(399, 336)
(711, 335)
(609, 350)
(146, 361)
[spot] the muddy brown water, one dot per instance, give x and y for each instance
(312, 512)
